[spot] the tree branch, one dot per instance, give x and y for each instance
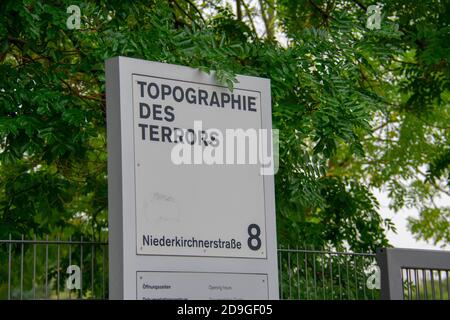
(196, 9)
(238, 10)
(359, 4)
(248, 14)
(325, 14)
(268, 19)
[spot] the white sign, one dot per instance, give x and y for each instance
(182, 197)
(201, 286)
(186, 209)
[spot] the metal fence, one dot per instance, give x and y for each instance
(41, 269)
(309, 274)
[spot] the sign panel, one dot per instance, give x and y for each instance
(186, 189)
(204, 286)
(186, 209)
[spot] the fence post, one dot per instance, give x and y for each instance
(392, 262)
(390, 276)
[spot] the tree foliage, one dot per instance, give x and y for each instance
(356, 108)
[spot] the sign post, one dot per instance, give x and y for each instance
(191, 216)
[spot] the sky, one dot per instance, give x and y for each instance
(404, 238)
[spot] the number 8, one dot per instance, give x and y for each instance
(254, 236)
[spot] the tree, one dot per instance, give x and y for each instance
(405, 65)
(332, 84)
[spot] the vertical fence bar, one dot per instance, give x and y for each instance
(70, 263)
(404, 274)
(417, 281)
(448, 285)
(81, 267)
(9, 267)
(280, 272)
(413, 284)
(34, 268)
(340, 282)
(363, 280)
(298, 276)
(315, 274)
(348, 277)
(323, 276)
(1, 275)
(433, 289)
(408, 283)
(57, 267)
(331, 274)
(424, 280)
(46, 267)
(373, 288)
(355, 263)
(372, 291)
(92, 269)
(306, 275)
(289, 273)
(21, 269)
(441, 296)
(103, 272)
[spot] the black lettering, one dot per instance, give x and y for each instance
(166, 132)
(190, 96)
(157, 112)
(170, 116)
(153, 132)
(235, 101)
(143, 127)
(191, 131)
(149, 90)
(214, 141)
(202, 96)
(166, 91)
(145, 240)
(203, 137)
(254, 232)
(181, 94)
(214, 99)
(178, 135)
(144, 110)
(224, 98)
(142, 84)
(251, 103)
